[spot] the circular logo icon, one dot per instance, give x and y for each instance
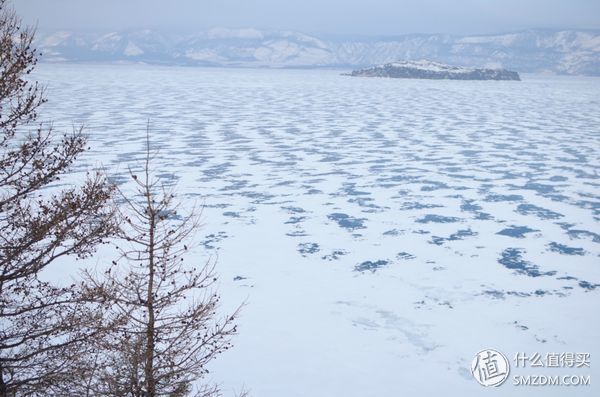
(490, 367)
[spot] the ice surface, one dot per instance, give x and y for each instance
(362, 219)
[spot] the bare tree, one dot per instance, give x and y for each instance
(42, 326)
(171, 329)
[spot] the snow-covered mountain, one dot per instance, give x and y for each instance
(563, 52)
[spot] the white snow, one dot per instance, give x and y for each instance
(55, 38)
(424, 64)
(132, 50)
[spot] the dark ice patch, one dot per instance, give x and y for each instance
(366, 202)
(393, 232)
(314, 191)
(235, 185)
(521, 326)
(433, 185)
(297, 233)
(331, 158)
(484, 216)
(211, 239)
(295, 219)
(503, 197)
(558, 178)
(293, 210)
(217, 205)
(405, 256)
(335, 255)
(421, 231)
(587, 285)
(565, 226)
(538, 187)
(346, 221)
(349, 190)
(542, 213)
(512, 259)
(216, 171)
(577, 233)
(370, 266)
(469, 153)
(118, 179)
(258, 198)
(516, 231)
(284, 183)
(308, 248)
(430, 218)
(459, 235)
(494, 293)
(565, 250)
(591, 205)
(418, 206)
(469, 206)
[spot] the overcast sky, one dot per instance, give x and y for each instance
(363, 17)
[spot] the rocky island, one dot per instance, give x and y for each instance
(424, 69)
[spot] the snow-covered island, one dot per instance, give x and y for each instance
(424, 69)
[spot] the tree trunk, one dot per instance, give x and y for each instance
(149, 367)
(2, 384)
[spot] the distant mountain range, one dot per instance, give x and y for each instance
(574, 52)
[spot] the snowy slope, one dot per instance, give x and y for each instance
(564, 52)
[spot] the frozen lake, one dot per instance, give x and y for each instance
(381, 231)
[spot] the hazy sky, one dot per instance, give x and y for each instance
(364, 17)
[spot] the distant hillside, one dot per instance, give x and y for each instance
(563, 52)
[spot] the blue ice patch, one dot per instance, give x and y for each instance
(308, 248)
(430, 218)
(295, 219)
(516, 231)
(565, 250)
(346, 221)
(335, 255)
(512, 259)
(538, 187)
(370, 266)
(503, 197)
(573, 233)
(587, 285)
(231, 214)
(393, 232)
(418, 206)
(459, 235)
(405, 256)
(542, 213)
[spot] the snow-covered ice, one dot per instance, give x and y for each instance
(380, 231)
